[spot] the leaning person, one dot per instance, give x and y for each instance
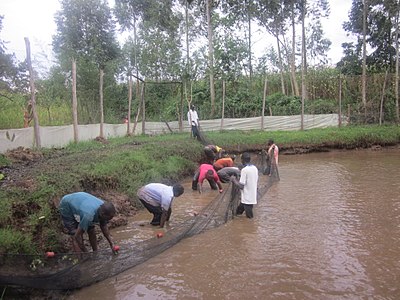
(157, 198)
(91, 210)
(247, 185)
(225, 174)
(206, 171)
(213, 152)
(223, 162)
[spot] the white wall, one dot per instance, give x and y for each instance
(59, 136)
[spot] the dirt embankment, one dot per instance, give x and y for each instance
(22, 175)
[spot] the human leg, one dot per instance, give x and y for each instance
(195, 180)
(71, 225)
(248, 208)
(240, 209)
(92, 238)
(155, 210)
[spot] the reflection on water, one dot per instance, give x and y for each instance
(330, 229)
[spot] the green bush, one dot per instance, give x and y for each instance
(13, 242)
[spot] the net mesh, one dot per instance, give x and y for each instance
(70, 271)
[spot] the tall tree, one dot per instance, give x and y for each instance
(271, 15)
(364, 60)
(100, 42)
(209, 11)
(243, 12)
(68, 44)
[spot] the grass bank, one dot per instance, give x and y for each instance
(34, 181)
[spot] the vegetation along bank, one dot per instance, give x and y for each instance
(32, 182)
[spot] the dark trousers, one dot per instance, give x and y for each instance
(156, 211)
(195, 132)
(248, 208)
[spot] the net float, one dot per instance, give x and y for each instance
(116, 248)
(50, 254)
(160, 235)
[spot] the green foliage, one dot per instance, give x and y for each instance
(4, 161)
(282, 105)
(5, 211)
(13, 242)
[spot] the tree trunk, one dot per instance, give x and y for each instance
(33, 99)
(101, 104)
(128, 125)
(340, 101)
(74, 101)
(136, 60)
(364, 61)
(143, 109)
(293, 62)
(249, 26)
(210, 55)
(280, 63)
(263, 103)
(303, 64)
(383, 97)
(396, 82)
(138, 112)
(181, 111)
(223, 105)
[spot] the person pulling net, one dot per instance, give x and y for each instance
(66, 271)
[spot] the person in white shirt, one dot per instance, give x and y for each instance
(157, 198)
(248, 186)
(194, 121)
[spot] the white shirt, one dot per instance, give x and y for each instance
(157, 194)
(249, 178)
(193, 117)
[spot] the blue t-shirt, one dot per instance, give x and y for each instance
(82, 204)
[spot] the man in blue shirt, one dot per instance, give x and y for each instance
(157, 198)
(90, 210)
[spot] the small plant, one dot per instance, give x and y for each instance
(37, 262)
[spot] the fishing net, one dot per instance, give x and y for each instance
(70, 271)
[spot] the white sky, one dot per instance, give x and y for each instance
(35, 19)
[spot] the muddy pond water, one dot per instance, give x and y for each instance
(330, 229)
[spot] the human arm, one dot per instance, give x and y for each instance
(169, 214)
(220, 189)
(199, 187)
(106, 233)
(164, 217)
(237, 182)
(218, 182)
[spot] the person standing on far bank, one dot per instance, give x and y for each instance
(247, 185)
(194, 121)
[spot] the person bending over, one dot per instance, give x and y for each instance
(225, 173)
(206, 171)
(223, 162)
(91, 210)
(157, 198)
